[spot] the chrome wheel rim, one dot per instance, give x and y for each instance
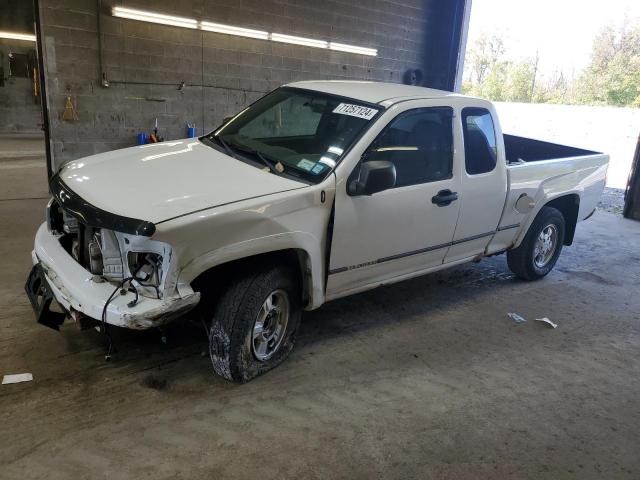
(270, 325)
(545, 246)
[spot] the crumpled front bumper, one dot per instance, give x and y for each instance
(74, 289)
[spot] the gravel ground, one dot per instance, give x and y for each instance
(612, 200)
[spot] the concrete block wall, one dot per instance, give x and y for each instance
(20, 110)
(145, 63)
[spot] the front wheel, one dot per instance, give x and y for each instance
(541, 247)
(254, 323)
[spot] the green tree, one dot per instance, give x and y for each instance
(556, 89)
(519, 81)
(486, 52)
(613, 74)
(494, 85)
(491, 76)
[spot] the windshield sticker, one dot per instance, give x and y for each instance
(319, 167)
(305, 164)
(355, 111)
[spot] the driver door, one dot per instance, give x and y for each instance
(404, 229)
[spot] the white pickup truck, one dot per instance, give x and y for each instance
(318, 190)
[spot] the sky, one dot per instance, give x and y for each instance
(562, 31)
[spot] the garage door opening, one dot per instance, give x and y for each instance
(22, 139)
(569, 82)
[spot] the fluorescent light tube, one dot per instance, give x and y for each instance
(154, 17)
(172, 20)
(18, 36)
(231, 30)
(343, 47)
(307, 42)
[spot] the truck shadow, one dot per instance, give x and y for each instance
(371, 309)
(185, 352)
(395, 303)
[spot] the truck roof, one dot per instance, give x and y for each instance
(372, 92)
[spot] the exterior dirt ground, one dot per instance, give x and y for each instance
(424, 379)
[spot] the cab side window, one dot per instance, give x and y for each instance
(419, 143)
(480, 150)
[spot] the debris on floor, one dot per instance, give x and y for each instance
(547, 321)
(17, 378)
(154, 382)
(516, 318)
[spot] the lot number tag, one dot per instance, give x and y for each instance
(355, 111)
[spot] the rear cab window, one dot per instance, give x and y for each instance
(480, 146)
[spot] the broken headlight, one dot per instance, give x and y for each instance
(145, 267)
(115, 257)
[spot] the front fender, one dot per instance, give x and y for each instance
(308, 243)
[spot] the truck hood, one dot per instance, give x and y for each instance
(160, 181)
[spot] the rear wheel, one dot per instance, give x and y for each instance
(541, 247)
(254, 323)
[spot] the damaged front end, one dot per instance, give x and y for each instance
(115, 257)
(104, 267)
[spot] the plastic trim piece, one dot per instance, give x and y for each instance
(93, 216)
(422, 250)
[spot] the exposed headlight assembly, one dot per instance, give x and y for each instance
(146, 267)
(148, 262)
(115, 256)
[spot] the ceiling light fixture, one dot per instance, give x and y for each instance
(154, 17)
(18, 36)
(231, 30)
(343, 47)
(307, 42)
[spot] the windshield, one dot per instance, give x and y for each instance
(295, 132)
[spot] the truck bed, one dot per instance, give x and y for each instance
(530, 150)
(546, 171)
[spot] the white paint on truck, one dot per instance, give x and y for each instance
(211, 209)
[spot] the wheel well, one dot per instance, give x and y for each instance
(214, 279)
(568, 206)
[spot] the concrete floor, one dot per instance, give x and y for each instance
(423, 379)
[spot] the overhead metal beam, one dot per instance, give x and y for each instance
(445, 42)
(462, 48)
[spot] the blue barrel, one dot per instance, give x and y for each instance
(191, 132)
(142, 139)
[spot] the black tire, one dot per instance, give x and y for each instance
(522, 260)
(231, 328)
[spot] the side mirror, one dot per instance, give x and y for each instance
(375, 176)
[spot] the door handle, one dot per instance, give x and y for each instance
(444, 198)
